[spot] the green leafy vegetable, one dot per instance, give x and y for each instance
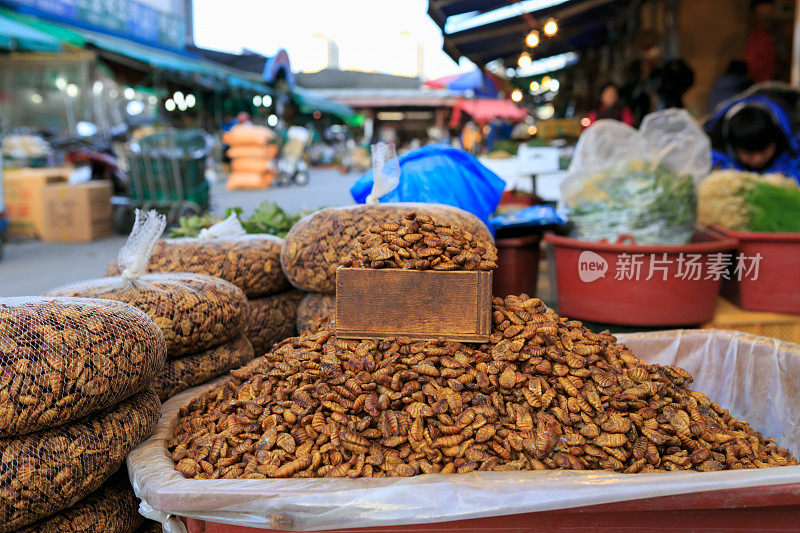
(649, 202)
(267, 218)
(773, 207)
(270, 218)
(191, 226)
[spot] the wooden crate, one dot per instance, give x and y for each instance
(416, 304)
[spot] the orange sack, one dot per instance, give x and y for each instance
(252, 164)
(265, 152)
(249, 180)
(248, 134)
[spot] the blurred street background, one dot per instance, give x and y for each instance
(31, 266)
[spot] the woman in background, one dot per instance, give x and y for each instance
(610, 106)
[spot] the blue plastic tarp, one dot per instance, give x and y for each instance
(443, 175)
(537, 215)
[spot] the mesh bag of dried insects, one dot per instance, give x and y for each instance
(194, 311)
(192, 370)
(272, 319)
(418, 242)
(316, 245)
(64, 358)
(546, 415)
(251, 262)
(48, 471)
(315, 306)
(113, 508)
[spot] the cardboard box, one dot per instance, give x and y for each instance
(76, 213)
(22, 190)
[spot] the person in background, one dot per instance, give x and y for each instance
(673, 79)
(499, 130)
(760, 49)
(471, 138)
(243, 118)
(733, 82)
(610, 106)
(754, 134)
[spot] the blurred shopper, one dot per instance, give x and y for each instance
(610, 106)
(499, 130)
(471, 138)
(733, 82)
(243, 118)
(760, 50)
(673, 79)
(754, 134)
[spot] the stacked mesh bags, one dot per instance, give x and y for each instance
(249, 261)
(75, 399)
(202, 318)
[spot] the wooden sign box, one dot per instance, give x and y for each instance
(427, 304)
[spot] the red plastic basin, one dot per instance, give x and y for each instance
(773, 508)
(777, 287)
(517, 265)
(585, 292)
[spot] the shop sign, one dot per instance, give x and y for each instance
(122, 18)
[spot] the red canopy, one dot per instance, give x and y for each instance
(484, 110)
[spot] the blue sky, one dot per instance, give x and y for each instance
(372, 35)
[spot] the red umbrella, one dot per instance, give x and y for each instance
(484, 110)
(481, 83)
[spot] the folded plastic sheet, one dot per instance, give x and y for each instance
(756, 378)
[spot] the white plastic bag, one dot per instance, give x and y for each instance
(624, 181)
(136, 252)
(386, 171)
(230, 228)
(754, 377)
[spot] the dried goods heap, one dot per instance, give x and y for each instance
(418, 242)
(545, 393)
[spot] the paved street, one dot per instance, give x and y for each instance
(32, 267)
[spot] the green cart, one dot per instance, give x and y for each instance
(167, 173)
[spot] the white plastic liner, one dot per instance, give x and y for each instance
(756, 378)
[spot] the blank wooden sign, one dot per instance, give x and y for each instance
(425, 304)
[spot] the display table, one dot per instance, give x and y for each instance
(780, 326)
(543, 180)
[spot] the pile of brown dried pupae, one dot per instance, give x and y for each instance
(544, 393)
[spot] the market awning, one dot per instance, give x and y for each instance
(16, 35)
(389, 98)
(149, 55)
(171, 61)
(61, 33)
(484, 110)
(487, 30)
(309, 101)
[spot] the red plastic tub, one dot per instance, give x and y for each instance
(517, 265)
(772, 508)
(777, 286)
(628, 284)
